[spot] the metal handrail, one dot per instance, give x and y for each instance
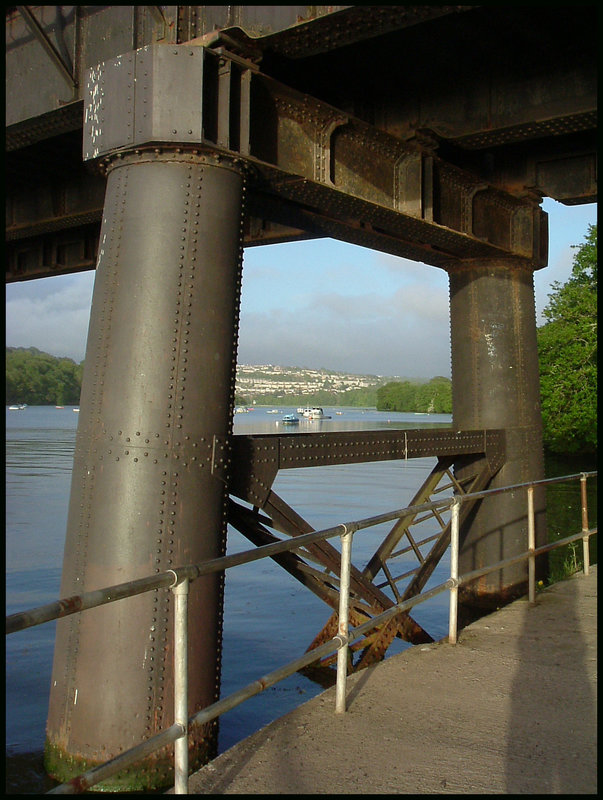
(178, 580)
(169, 578)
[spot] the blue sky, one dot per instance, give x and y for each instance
(319, 303)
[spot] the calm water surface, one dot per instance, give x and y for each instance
(269, 618)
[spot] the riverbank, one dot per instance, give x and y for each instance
(510, 709)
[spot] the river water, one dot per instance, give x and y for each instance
(269, 618)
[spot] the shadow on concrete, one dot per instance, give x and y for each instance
(551, 740)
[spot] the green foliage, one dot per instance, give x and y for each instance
(37, 378)
(567, 349)
(564, 511)
(435, 396)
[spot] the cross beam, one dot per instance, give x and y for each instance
(257, 460)
(311, 165)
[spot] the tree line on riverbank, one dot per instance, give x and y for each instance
(567, 349)
(39, 379)
(433, 397)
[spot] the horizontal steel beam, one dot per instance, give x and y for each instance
(346, 174)
(255, 460)
(452, 166)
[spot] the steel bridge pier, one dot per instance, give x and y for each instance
(158, 387)
(179, 107)
(495, 383)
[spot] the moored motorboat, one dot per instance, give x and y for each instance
(290, 419)
(315, 413)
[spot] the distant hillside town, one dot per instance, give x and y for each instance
(258, 380)
(37, 378)
(269, 384)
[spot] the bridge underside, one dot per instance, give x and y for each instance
(152, 143)
(470, 115)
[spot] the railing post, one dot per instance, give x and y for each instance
(585, 538)
(531, 546)
(181, 685)
(344, 602)
(454, 569)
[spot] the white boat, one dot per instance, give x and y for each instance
(18, 407)
(315, 413)
(77, 411)
(273, 411)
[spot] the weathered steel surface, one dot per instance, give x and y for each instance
(446, 177)
(495, 381)
(158, 384)
(307, 152)
(257, 459)
(445, 163)
(374, 646)
(82, 36)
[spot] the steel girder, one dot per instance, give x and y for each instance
(256, 461)
(313, 168)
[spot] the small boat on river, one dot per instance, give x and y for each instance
(315, 413)
(290, 419)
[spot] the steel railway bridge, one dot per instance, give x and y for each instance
(155, 143)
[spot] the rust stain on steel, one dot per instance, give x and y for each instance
(79, 784)
(69, 605)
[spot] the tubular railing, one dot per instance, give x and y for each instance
(178, 581)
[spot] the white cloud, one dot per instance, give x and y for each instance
(52, 316)
(404, 333)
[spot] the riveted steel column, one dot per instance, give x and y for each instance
(158, 387)
(495, 384)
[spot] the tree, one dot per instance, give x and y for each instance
(38, 378)
(567, 350)
(435, 396)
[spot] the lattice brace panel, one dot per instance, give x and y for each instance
(399, 569)
(410, 536)
(416, 543)
(410, 541)
(317, 566)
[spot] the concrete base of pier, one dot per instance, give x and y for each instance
(510, 709)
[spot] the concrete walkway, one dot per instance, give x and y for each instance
(510, 709)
